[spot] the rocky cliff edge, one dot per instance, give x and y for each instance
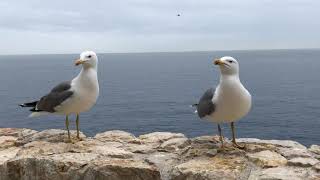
(31, 155)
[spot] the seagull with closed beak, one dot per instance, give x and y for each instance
(227, 103)
(71, 97)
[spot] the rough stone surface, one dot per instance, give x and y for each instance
(303, 162)
(219, 167)
(315, 149)
(50, 135)
(281, 143)
(117, 155)
(159, 137)
(317, 167)
(16, 132)
(8, 154)
(290, 153)
(267, 159)
(117, 136)
(175, 144)
(281, 173)
(7, 141)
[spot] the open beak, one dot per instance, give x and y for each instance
(78, 62)
(218, 62)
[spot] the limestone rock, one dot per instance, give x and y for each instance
(8, 154)
(281, 143)
(175, 144)
(206, 141)
(50, 135)
(253, 148)
(267, 159)
(202, 146)
(157, 142)
(16, 132)
(37, 148)
(89, 143)
(142, 148)
(302, 161)
(280, 173)
(7, 141)
(164, 162)
(317, 167)
(79, 166)
(214, 168)
(116, 135)
(315, 149)
(118, 155)
(111, 151)
(121, 169)
(294, 152)
(159, 137)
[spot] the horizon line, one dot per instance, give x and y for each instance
(145, 52)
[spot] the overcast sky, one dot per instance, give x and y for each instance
(70, 26)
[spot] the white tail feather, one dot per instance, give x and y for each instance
(37, 114)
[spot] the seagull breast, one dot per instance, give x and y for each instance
(232, 101)
(85, 89)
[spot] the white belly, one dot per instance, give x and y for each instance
(232, 104)
(80, 102)
(85, 89)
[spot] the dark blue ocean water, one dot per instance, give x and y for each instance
(146, 92)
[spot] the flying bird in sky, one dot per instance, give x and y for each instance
(227, 103)
(71, 97)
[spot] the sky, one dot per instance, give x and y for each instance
(120, 26)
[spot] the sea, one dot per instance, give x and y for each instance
(147, 92)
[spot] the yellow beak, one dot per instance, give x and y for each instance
(78, 62)
(218, 62)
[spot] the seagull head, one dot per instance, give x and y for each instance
(228, 65)
(88, 59)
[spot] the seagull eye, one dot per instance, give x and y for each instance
(230, 61)
(89, 56)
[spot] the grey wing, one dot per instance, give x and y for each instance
(206, 106)
(64, 86)
(57, 95)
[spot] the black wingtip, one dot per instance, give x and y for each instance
(30, 104)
